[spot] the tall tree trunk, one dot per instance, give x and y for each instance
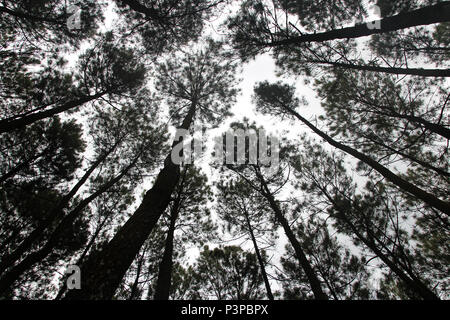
(437, 13)
(102, 275)
(163, 283)
(302, 259)
(164, 280)
(389, 70)
(134, 287)
(385, 172)
(10, 125)
(260, 259)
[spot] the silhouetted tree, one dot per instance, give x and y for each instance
(371, 218)
(245, 213)
(226, 273)
(279, 99)
(269, 183)
(204, 86)
(188, 215)
(344, 274)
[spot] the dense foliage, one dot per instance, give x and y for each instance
(350, 203)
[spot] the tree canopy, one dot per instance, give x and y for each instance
(150, 145)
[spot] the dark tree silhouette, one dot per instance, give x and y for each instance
(244, 211)
(279, 99)
(205, 84)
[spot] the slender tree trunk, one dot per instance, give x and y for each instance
(10, 125)
(327, 283)
(389, 70)
(424, 164)
(260, 259)
(427, 15)
(303, 260)
(134, 288)
(102, 275)
(390, 112)
(163, 283)
(414, 285)
(436, 128)
(385, 172)
(432, 127)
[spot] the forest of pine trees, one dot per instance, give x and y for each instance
(356, 206)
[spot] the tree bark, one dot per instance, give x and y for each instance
(428, 15)
(102, 274)
(303, 260)
(10, 125)
(260, 259)
(385, 172)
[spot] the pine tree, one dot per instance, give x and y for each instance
(116, 133)
(201, 87)
(344, 274)
(279, 99)
(245, 213)
(373, 218)
(269, 183)
(190, 218)
(226, 273)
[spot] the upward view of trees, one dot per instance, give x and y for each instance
(98, 169)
